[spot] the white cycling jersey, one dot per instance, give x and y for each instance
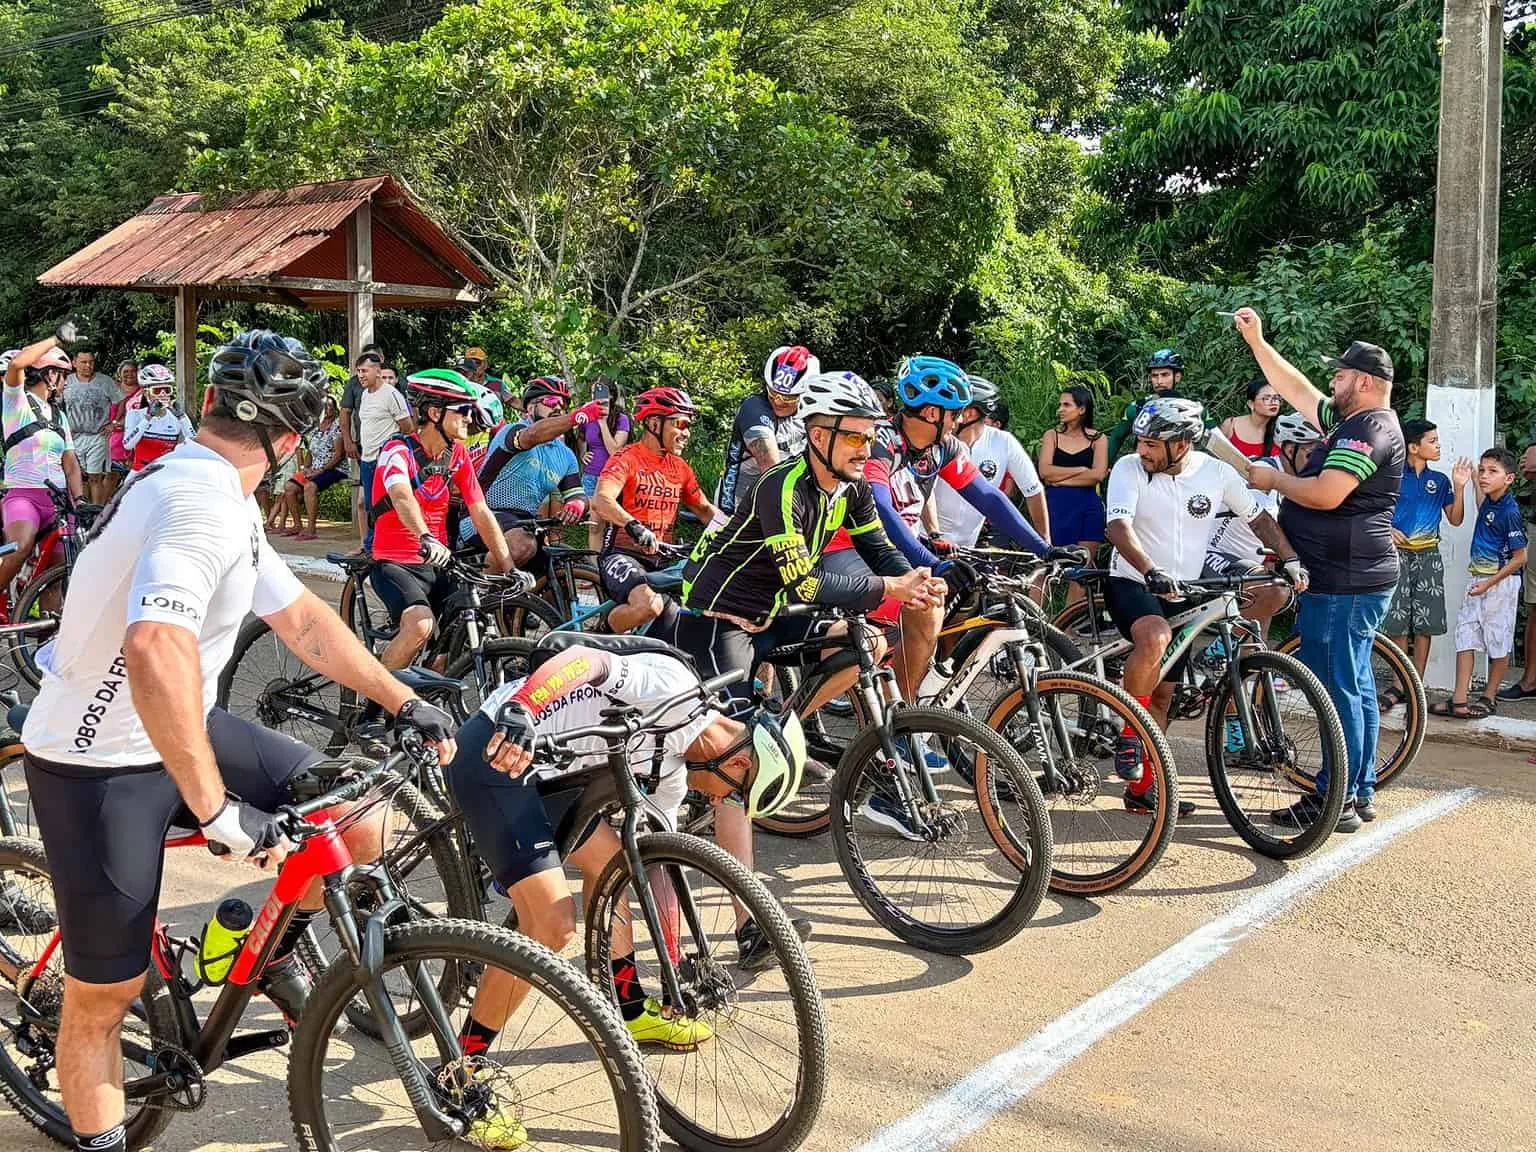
(1175, 515)
(180, 544)
(1235, 538)
(641, 678)
(997, 455)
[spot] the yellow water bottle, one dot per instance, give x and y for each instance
(222, 938)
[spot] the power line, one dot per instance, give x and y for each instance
(189, 8)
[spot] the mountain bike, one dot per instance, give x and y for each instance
(584, 1086)
(1270, 726)
(36, 599)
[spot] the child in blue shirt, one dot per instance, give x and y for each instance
(1486, 622)
(1418, 603)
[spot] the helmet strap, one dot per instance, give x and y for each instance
(825, 458)
(713, 765)
(963, 425)
(654, 426)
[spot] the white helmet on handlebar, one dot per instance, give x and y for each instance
(1294, 428)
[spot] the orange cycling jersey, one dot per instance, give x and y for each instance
(652, 485)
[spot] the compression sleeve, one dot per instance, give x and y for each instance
(559, 676)
(1001, 513)
(133, 428)
(570, 488)
(897, 531)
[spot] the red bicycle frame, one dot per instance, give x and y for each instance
(319, 855)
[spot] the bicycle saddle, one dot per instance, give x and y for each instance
(349, 563)
(667, 580)
(624, 645)
(421, 680)
(16, 717)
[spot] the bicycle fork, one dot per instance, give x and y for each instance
(365, 947)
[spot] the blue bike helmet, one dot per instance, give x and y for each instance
(1165, 358)
(925, 380)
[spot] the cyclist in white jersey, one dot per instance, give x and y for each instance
(1162, 509)
(123, 738)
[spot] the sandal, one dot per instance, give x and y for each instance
(1453, 709)
(1489, 705)
(1389, 700)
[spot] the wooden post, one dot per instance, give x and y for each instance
(359, 267)
(1462, 335)
(186, 345)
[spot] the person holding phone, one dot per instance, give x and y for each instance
(600, 439)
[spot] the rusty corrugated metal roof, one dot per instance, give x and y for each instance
(175, 241)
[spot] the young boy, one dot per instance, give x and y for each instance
(1418, 604)
(1486, 622)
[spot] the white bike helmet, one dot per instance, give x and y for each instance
(156, 378)
(1294, 428)
(788, 368)
(839, 394)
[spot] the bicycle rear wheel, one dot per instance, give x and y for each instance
(971, 875)
(757, 1082)
(563, 1068)
(1099, 843)
(263, 681)
(1297, 734)
(28, 1078)
(1398, 747)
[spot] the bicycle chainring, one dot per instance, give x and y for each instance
(187, 1090)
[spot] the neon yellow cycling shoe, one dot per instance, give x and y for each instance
(498, 1128)
(679, 1033)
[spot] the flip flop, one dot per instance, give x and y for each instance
(1389, 700)
(1489, 705)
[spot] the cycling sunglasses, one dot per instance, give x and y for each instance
(468, 410)
(854, 439)
(682, 423)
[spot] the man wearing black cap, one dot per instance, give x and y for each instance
(1338, 515)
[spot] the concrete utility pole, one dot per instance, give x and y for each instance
(1461, 334)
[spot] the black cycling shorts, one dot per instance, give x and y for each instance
(718, 646)
(402, 586)
(516, 831)
(105, 828)
(622, 572)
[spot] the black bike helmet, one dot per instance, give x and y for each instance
(268, 380)
(983, 394)
(1169, 418)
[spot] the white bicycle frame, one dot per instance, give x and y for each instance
(991, 644)
(1187, 625)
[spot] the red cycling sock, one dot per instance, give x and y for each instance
(1145, 702)
(1140, 787)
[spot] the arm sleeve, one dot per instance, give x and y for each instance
(896, 529)
(1000, 511)
(1237, 496)
(1022, 469)
(503, 447)
(185, 557)
(1123, 490)
(1447, 493)
(869, 538)
(187, 431)
(133, 428)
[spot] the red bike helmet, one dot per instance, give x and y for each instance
(664, 402)
(544, 387)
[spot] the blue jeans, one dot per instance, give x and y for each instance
(1336, 636)
(365, 470)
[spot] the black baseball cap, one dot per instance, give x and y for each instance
(1371, 359)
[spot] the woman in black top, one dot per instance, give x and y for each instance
(1074, 459)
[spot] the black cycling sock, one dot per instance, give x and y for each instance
(626, 983)
(296, 928)
(476, 1037)
(112, 1140)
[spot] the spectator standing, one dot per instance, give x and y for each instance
(1417, 612)
(117, 421)
(1526, 685)
(1074, 460)
(381, 413)
(351, 397)
(599, 440)
(88, 399)
(1486, 621)
(1253, 433)
(1338, 515)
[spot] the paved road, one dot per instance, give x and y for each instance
(1394, 1005)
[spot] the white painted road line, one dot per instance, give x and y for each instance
(1009, 1077)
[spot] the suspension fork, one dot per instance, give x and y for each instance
(664, 935)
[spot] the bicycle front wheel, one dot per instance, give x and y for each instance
(1397, 747)
(1266, 780)
(39, 607)
(1103, 837)
(967, 871)
(562, 1072)
(753, 1072)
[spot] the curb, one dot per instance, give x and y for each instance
(1503, 733)
(314, 567)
